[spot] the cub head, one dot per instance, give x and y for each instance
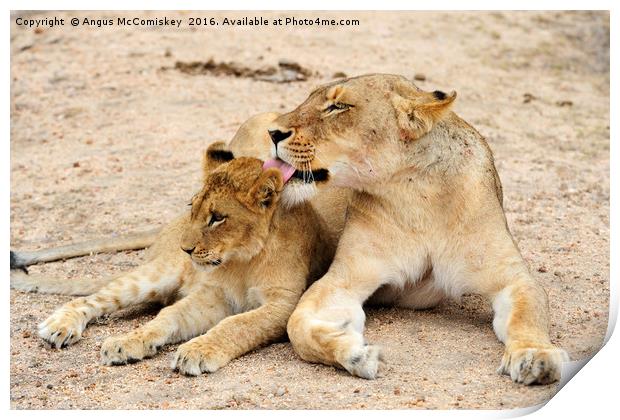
(352, 132)
(231, 215)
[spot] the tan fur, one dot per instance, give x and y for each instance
(236, 291)
(426, 222)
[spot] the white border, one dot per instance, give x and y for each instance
(592, 393)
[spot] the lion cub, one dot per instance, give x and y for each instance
(238, 264)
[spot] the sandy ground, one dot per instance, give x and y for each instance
(103, 142)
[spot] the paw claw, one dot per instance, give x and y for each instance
(192, 359)
(61, 329)
(531, 366)
(128, 349)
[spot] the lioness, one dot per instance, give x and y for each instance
(224, 261)
(426, 222)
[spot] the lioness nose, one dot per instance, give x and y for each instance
(188, 250)
(277, 136)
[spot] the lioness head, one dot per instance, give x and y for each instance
(353, 132)
(231, 215)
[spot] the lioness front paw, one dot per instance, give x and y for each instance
(194, 358)
(62, 328)
(533, 365)
(365, 362)
(124, 349)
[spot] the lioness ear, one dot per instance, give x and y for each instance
(266, 190)
(335, 93)
(216, 154)
(419, 114)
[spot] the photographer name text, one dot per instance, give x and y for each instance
(247, 21)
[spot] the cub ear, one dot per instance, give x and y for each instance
(216, 154)
(266, 190)
(418, 114)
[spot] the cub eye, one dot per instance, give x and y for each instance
(216, 218)
(337, 106)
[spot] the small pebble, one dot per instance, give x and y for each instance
(528, 97)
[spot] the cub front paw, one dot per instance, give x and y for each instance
(62, 328)
(194, 358)
(531, 366)
(125, 349)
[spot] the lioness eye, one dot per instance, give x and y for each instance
(336, 106)
(215, 218)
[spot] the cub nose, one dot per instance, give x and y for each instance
(188, 250)
(277, 136)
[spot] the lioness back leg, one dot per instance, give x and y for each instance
(521, 319)
(150, 282)
(194, 314)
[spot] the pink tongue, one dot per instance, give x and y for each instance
(286, 169)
